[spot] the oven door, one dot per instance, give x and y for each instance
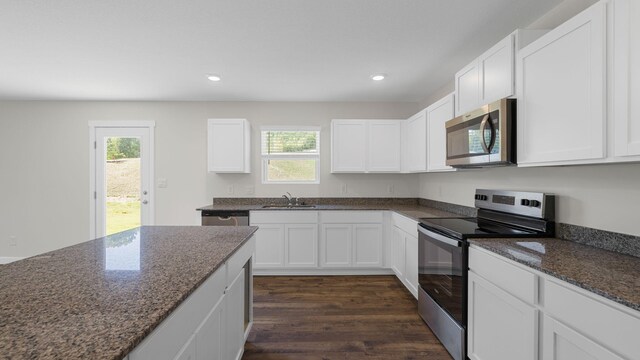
(442, 272)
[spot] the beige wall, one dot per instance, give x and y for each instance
(44, 152)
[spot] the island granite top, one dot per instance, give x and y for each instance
(612, 275)
(99, 299)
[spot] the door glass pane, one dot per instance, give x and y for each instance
(122, 179)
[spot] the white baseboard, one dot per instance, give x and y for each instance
(320, 272)
(9, 259)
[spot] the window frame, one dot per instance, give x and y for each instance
(300, 156)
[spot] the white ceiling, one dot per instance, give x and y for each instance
(265, 50)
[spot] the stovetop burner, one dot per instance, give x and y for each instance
(464, 228)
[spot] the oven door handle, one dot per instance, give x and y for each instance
(439, 237)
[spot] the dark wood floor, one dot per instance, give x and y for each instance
(338, 317)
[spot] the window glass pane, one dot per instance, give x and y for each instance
(290, 142)
(283, 170)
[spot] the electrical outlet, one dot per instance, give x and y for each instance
(391, 189)
(230, 190)
(13, 241)
(343, 188)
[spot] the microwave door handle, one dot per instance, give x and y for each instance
(483, 126)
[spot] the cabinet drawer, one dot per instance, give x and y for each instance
(283, 217)
(510, 278)
(613, 328)
(405, 224)
(237, 261)
(351, 217)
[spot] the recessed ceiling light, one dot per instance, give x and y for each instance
(378, 77)
(214, 77)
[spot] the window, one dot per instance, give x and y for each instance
(291, 155)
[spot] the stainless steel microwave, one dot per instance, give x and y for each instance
(483, 137)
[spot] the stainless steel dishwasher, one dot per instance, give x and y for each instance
(225, 218)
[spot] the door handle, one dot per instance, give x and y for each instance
(483, 128)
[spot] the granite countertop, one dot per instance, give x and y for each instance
(612, 275)
(414, 212)
(99, 299)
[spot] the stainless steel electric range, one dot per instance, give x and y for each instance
(443, 255)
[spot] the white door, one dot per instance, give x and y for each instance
(467, 88)
(397, 251)
(269, 246)
(437, 115)
(122, 189)
(348, 146)
(210, 337)
(367, 245)
(301, 244)
(496, 71)
(411, 261)
(416, 144)
(384, 145)
(335, 245)
(500, 326)
(560, 342)
(234, 298)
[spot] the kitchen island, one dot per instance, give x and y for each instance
(125, 294)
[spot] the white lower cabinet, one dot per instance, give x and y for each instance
(397, 252)
(335, 245)
(500, 326)
(211, 324)
(210, 341)
(235, 317)
(301, 244)
(516, 312)
(351, 245)
(285, 239)
(367, 245)
(563, 343)
(404, 251)
(269, 246)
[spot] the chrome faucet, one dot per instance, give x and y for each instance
(289, 198)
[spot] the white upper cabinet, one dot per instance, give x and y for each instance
(229, 145)
(437, 114)
(415, 151)
(488, 78)
(361, 146)
(384, 145)
(467, 88)
(561, 92)
(348, 146)
(496, 67)
(625, 84)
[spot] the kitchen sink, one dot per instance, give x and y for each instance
(288, 206)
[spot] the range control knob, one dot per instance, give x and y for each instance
(525, 202)
(535, 203)
(481, 197)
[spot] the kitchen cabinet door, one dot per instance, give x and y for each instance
(210, 337)
(229, 146)
(411, 261)
(500, 326)
(416, 142)
(561, 89)
(384, 145)
(437, 115)
(335, 245)
(563, 343)
(398, 253)
(269, 246)
(188, 352)
(367, 245)
(348, 146)
(467, 82)
(301, 244)
(626, 77)
(496, 68)
(235, 302)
